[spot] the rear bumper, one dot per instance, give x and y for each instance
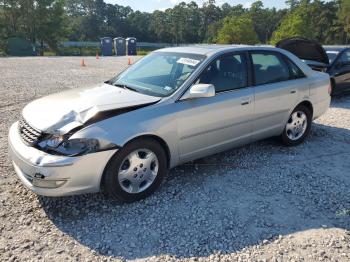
(73, 175)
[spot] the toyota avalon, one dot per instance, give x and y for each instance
(173, 106)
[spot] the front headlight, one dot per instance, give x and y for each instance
(75, 146)
(54, 141)
(78, 146)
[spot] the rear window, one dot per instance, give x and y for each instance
(295, 71)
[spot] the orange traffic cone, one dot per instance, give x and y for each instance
(82, 63)
(129, 61)
(97, 56)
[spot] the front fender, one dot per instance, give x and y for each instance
(121, 129)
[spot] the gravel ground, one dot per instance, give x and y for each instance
(261, 202)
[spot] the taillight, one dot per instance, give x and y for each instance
(330, 89)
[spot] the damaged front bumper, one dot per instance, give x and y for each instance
(52, 175)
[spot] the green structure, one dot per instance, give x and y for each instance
(20, 47)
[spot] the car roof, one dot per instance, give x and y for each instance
(209, 50)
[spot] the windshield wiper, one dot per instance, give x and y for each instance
(127, 87)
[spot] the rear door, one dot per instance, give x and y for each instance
(277, 84)
(210, 125)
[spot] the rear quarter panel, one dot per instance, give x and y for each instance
(319, 96)
(318, 83)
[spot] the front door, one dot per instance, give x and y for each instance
(209, 125)
(342, 72)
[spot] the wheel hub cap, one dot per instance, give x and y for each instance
(296, 126)
(138, 171)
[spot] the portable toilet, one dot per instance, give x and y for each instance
(107, 46)
(131, 45)
(119, 46)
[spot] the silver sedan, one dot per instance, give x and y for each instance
(173, 106)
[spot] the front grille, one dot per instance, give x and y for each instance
(29, 135)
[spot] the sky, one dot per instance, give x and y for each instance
(151, 5)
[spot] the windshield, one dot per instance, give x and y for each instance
(332, 55)
(159, 74)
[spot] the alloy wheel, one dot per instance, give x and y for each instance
(297, 125)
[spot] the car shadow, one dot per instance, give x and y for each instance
(222, 203)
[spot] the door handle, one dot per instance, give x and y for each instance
(244, 103)
(293, 91)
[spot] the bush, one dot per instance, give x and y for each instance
(78, 51)
(143, 52)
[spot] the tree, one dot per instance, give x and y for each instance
(265, 20)
(293, 25)
(323, 20)
(138, 23)
(50, 21)
(35, 20)
(2, 31)
(210, 14)
(292, 4)
(160, 26)
(11, 13)
(344, 18)
(237, 30)
(311, 19)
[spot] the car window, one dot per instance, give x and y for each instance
(345, 57)
(160, 62)
(295, 71)
(332, 55)
(226, 73)
(269, 68)
(160, 73)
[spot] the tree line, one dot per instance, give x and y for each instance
(52, 21)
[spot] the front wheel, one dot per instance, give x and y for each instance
(136, 171)
(297, 127)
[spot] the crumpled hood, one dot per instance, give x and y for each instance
(62, 112)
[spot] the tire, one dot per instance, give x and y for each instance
(298, 129)
(333, 86)
(133, 173)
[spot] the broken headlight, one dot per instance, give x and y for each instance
(74, 146)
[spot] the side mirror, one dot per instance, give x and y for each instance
(200, 91)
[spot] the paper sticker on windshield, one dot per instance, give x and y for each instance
(168, 88)
(188, 61)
